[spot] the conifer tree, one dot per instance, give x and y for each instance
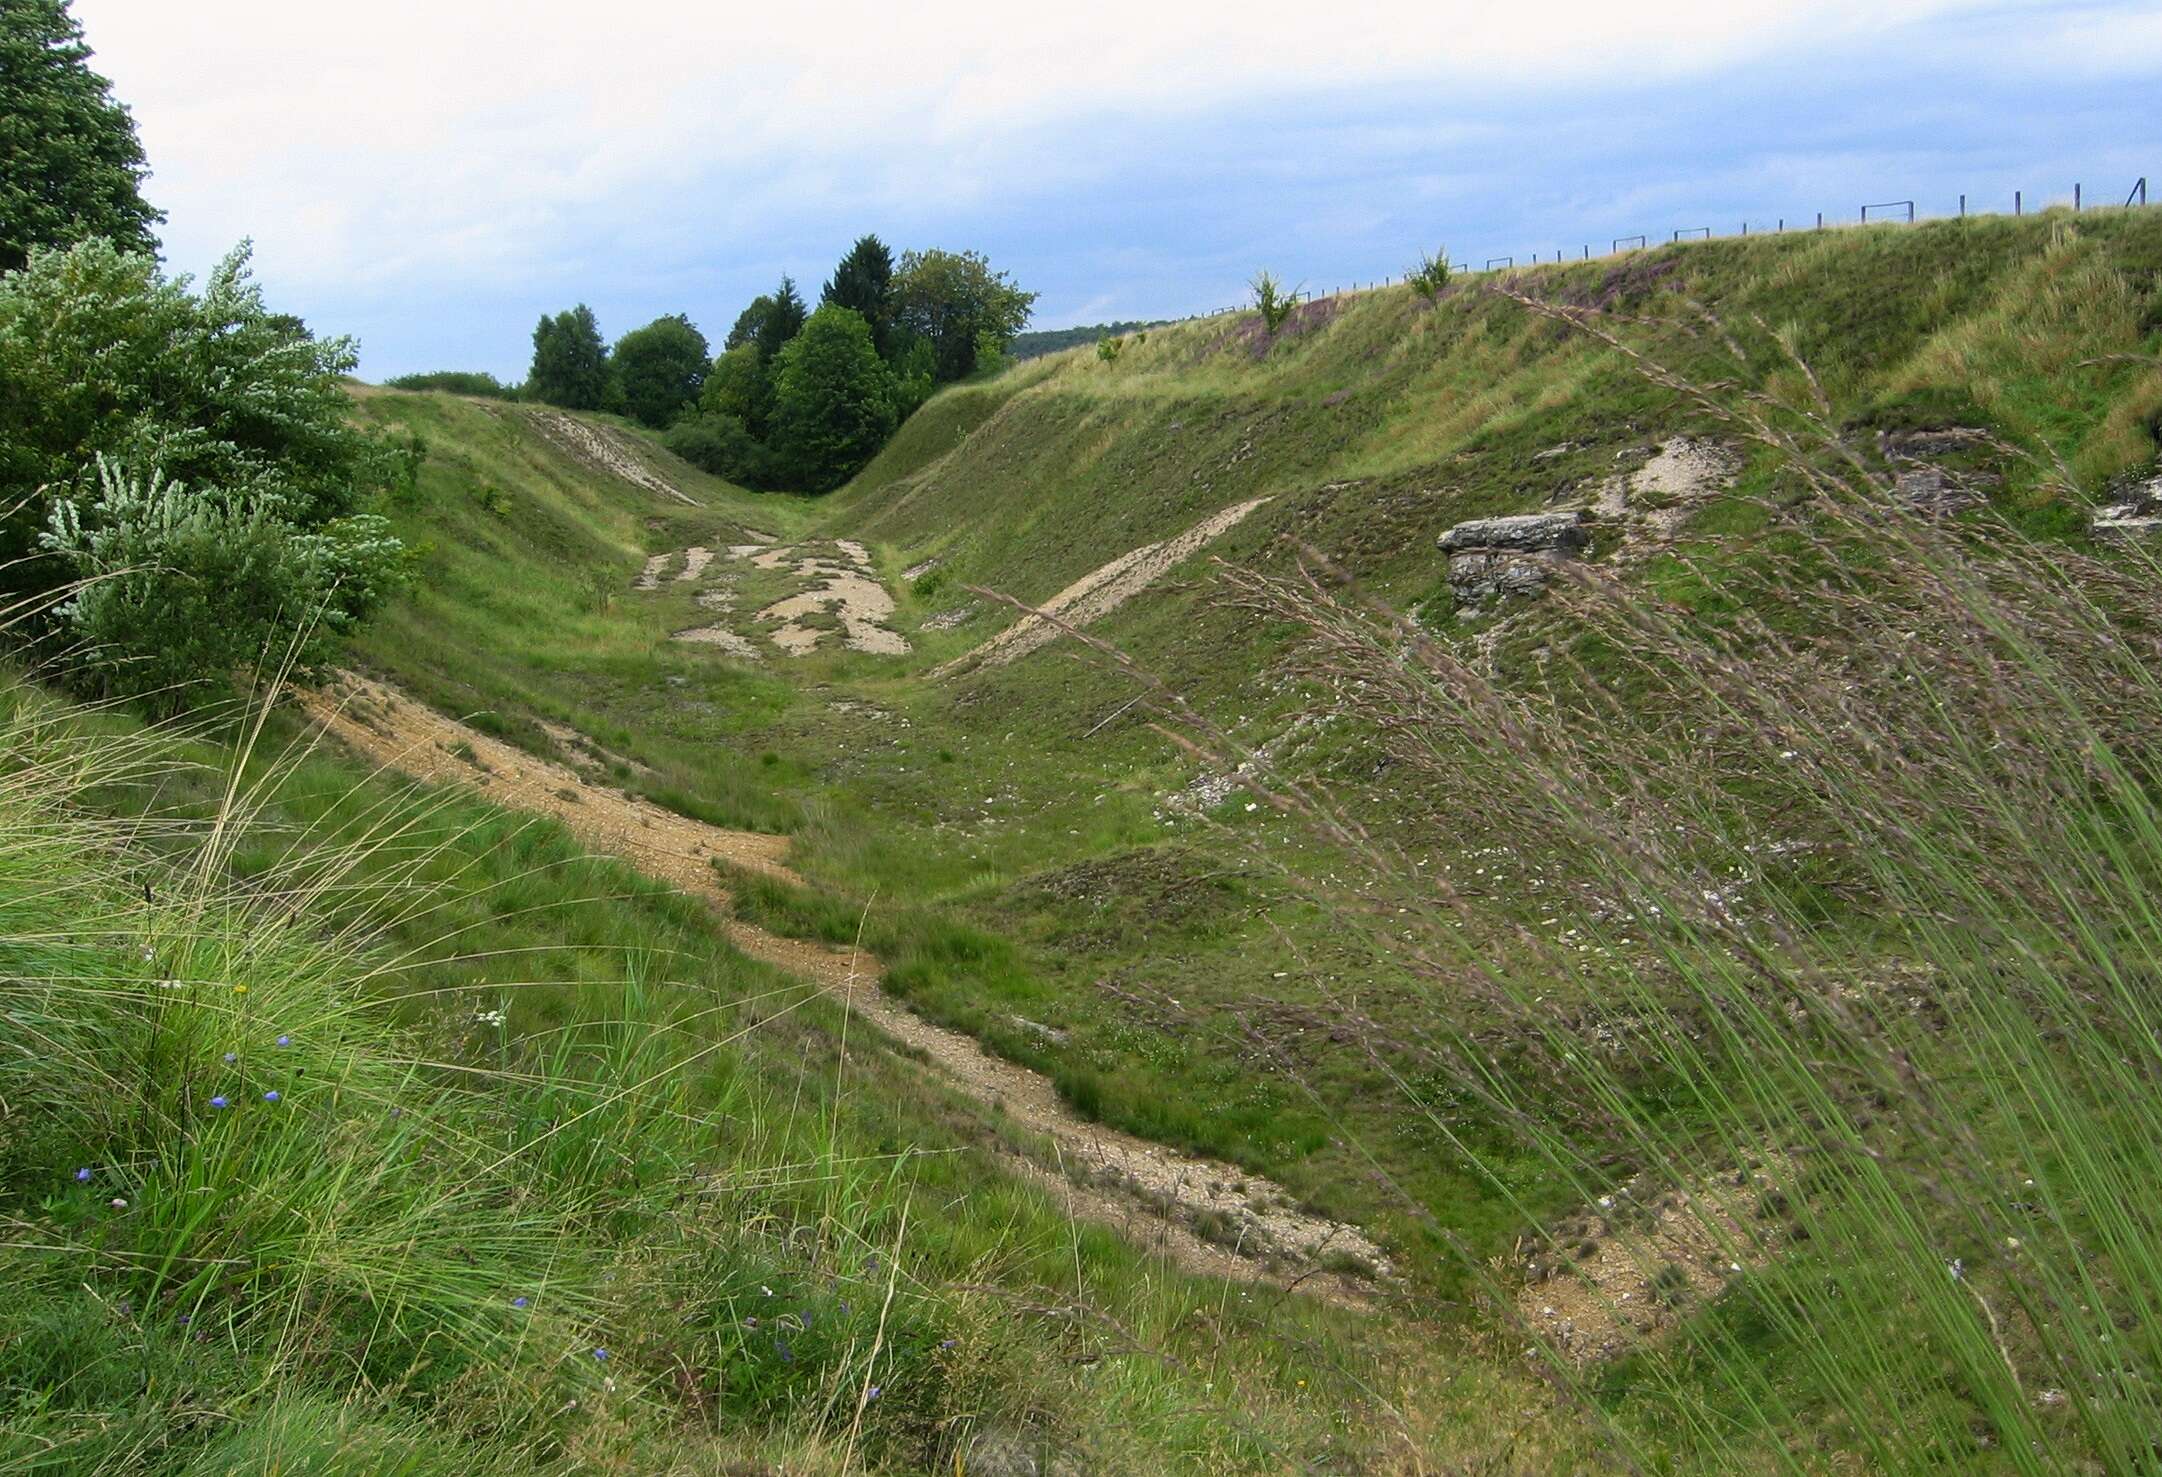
(71, 166)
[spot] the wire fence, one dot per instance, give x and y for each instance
(1876, 213)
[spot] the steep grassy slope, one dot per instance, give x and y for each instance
(1438, 411)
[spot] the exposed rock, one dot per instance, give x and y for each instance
(1944, 441)
(1937, 491)
(1510, 556)
(2137, 513)
(1523, 532)
(1922, 483)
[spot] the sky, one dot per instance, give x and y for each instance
(431, 176)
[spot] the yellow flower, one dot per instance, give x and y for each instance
(240, 989)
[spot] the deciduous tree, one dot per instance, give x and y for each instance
(661, 367)
(570, 361)
(951, 299)
(833, 400)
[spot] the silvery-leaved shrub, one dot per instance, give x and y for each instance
(174, 590)
(191, 454)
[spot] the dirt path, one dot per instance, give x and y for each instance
(1098, 593)
(1155, 1194)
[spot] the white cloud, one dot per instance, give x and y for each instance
(396, 155)
(465, 140)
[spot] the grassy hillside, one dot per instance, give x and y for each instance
(1036, 864)
(1374, 423)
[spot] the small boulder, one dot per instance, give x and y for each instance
(1510, 556)
(2136, 511)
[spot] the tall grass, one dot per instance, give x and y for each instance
(231, 1165)
(527, 1109)
(1817, 914)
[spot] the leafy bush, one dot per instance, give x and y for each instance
(1109, 347)
(990, 353)
(174, 590)
(740, 385)
(455, 382)
(193, 457)
(915, 378)
(720, 443)
(834, 400)
(1430, 276)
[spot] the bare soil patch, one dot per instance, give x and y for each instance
(1651, 504)
(1628, 1269)
(1098, 593)
(839, 583)
(600, 448)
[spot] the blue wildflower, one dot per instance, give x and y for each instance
(82, 1176)
(220, 1101)
(872, 1393)
(519, 1302)
(750, 1323)
(271, 1096)
(285, 1041)
(947, 1343)
(601, 1354)
(231, 1057)
(781, 1347)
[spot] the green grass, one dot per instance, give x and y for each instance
(509, 1070)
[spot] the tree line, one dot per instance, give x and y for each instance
(797, 397)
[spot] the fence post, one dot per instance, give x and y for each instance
(1962, 207)
(2075, 199)
(1820, 220)
(2015, 203)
